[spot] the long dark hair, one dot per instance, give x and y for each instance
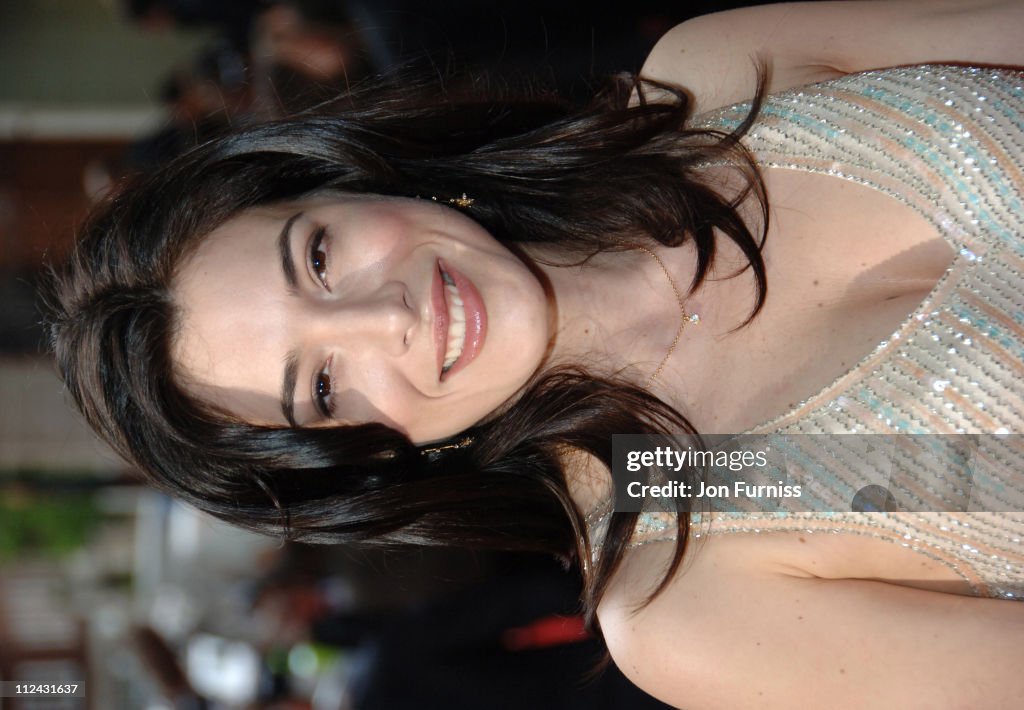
(591, 180)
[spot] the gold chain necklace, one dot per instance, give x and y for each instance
(684, 317)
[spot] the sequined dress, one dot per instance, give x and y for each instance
(948, 142)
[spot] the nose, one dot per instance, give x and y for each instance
(381, 320)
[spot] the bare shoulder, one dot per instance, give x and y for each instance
(732, 631)
(713, 56)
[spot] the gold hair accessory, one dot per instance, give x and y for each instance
(434, 451)
(463, 202)
(684, 317)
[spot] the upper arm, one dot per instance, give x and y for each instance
(713, 56)
(730, 634)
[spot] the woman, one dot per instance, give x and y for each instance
(422, 321)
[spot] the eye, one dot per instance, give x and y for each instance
(318, 256)
(322, 386)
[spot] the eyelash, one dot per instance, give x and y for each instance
(322, 388)
(318, 256)
(322, 382)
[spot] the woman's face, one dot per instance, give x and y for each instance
(352, 309)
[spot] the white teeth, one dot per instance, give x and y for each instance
(456, 324)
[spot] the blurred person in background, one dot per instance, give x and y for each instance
(471, 646)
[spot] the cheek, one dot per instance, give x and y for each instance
(470, 407)
(418, 416)
(356, 407)
(381, 234)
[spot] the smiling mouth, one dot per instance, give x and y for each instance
(456, 323)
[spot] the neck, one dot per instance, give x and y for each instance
(617, 313)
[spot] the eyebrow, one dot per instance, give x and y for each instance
(291, 362)
(291, 375)
(284, 248)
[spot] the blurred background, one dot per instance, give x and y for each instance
(146, 602)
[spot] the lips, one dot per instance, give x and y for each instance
(460, 320)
